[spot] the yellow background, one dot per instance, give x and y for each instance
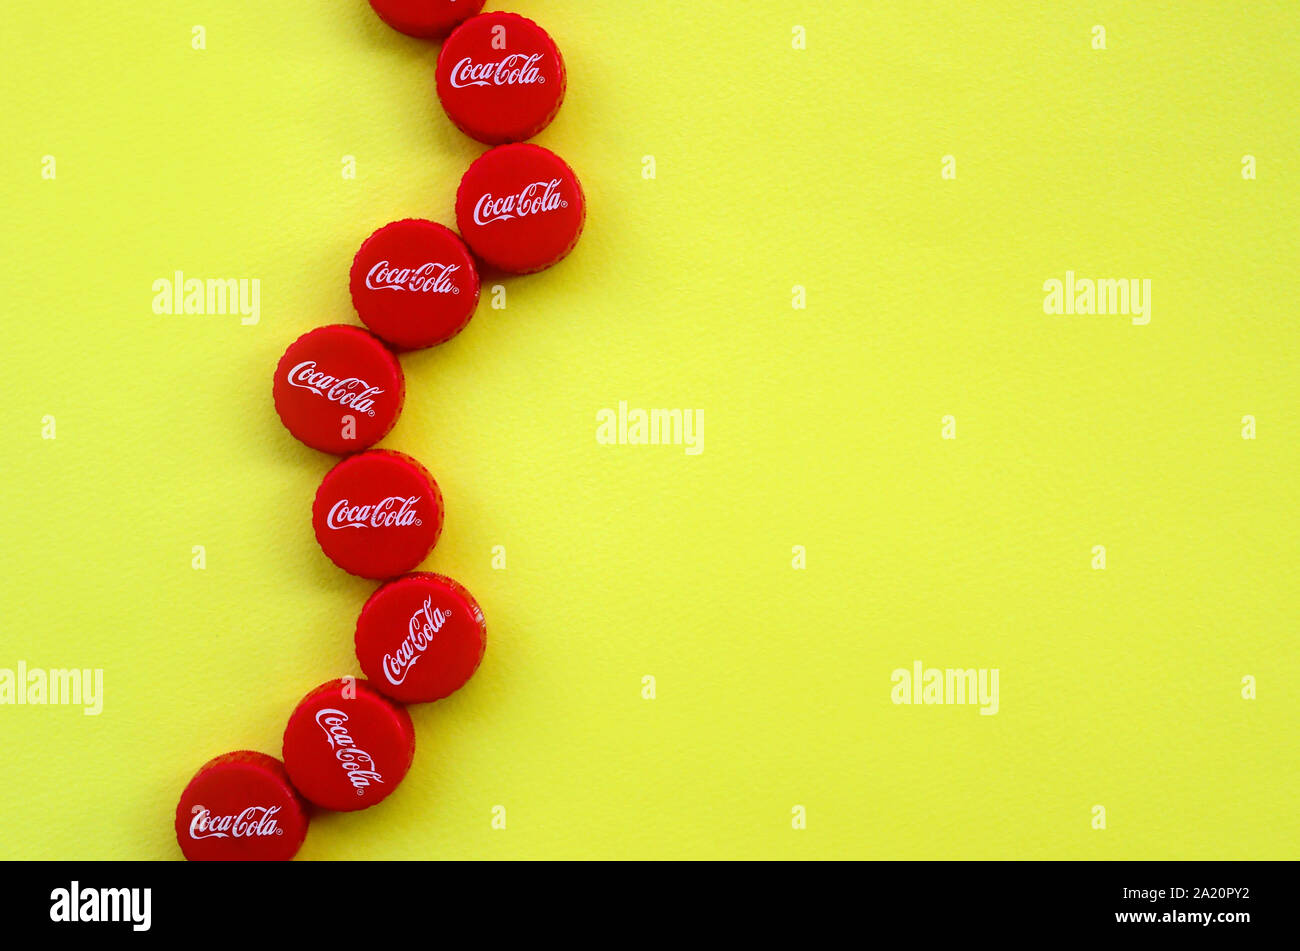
(775, 167)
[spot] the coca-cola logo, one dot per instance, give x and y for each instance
(358, 765)
(348, 391)
(424, 623)
(429, 278)
(396, 511)
(253, 821)
(534, 199)
(516, 69)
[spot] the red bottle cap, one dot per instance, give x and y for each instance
(377, 514)
(414, 283)
(347, 746)
(500, 78)
(520, 208)
(425, 18)
(420, 637)
(338, 389)
(240, 807)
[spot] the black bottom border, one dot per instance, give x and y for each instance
(348, 901)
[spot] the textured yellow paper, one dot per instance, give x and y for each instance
(774, 167)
